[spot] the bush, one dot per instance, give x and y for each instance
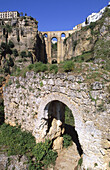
(50, 158)
(31, 66)
(11, 44)
(69, 119)
(1, 111)
(1, 80)
(23, 54)
(44, 154)
(67, 140)
(11, 62)
(17, 142)
(22, 142)
(15, 52)
(54, 68)
(68, 66)
(40, 67)
(80, 161)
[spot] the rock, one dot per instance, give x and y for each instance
(13, 162)
(97, 86)
(58, 144)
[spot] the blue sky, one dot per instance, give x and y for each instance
(55, 15)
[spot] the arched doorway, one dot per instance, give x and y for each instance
(63, 36)
(54, 61)
(61, 121)
(45, 35)
(54, 49)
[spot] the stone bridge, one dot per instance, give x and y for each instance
(60, 46)
(37, 103)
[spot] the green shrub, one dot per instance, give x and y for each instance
(11, 44)
(11, 62)
(23, 54)
(44, 154)
(44, 68)
(15, 52)
(54, 68)
(80, 161)
(31, 66)
(68, 66)
(69, 119)
(17, 142)
(22, 142)
(67, 140)
(50, 158)
(40, 67)
(41, 84)
(1, 111)
(1, 80)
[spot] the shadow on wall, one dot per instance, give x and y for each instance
(2, 116)
(40, 49)
(70, 130)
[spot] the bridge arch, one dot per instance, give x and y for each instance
(60, 35)
(63, 35)
(43, 110)
(45, 35)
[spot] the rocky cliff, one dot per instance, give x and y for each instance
(88, 39)
(23, 32)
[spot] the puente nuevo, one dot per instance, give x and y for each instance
(60, 46)
(37, 103)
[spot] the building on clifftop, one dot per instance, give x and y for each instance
(9, 14)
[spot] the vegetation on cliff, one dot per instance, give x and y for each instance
(15, 142)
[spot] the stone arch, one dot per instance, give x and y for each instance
(43, 113)
(85, 130)
(54, 61)
(63, 35)
(45, 35)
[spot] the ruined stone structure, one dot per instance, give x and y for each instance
(60, 46)
(37, 103)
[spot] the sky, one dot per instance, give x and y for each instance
(55, 15)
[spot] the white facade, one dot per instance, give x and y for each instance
(9, 14)
(95, 16)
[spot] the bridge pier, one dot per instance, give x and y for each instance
(60, 45)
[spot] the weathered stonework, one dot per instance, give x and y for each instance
(29, 102)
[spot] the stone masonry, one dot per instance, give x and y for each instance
(30, 101)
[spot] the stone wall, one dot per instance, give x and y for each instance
(27, 101)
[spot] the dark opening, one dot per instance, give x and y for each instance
(54, 61)
(54, 48)
(59, 111)
(45, 36)
(63, 35)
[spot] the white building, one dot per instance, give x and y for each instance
(9, 14)
(95, 16)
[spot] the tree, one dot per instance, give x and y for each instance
(11, 44)
(30, 56)
(15, 52)
(86, 22)
(25, 14)
(18, 38)
(11, 62)
(21, 13)
(23, 54)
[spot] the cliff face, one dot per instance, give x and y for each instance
(23, 32)
(88, 38)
